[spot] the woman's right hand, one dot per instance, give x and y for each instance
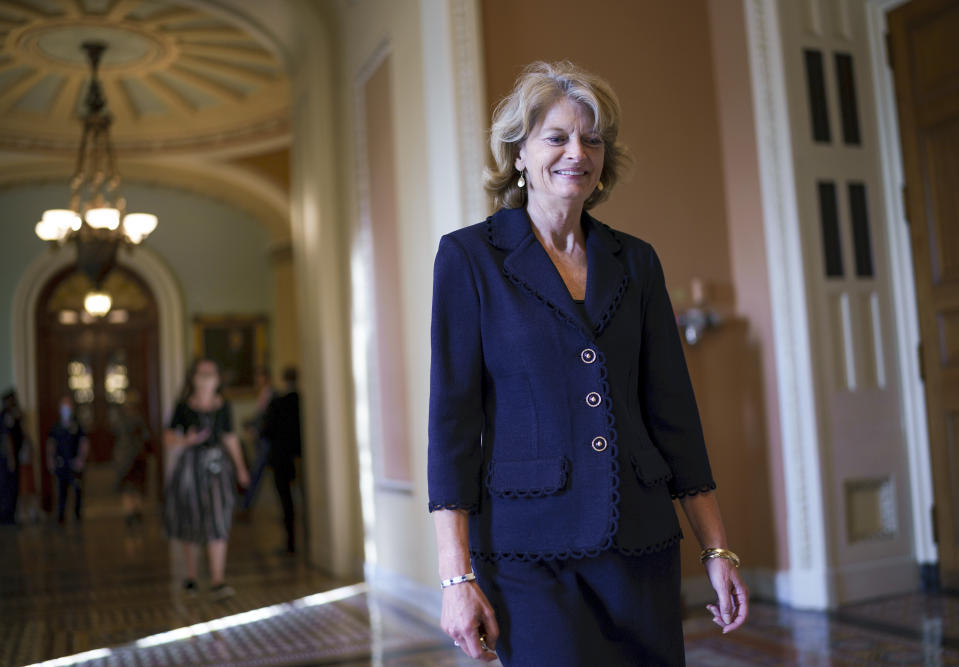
(466, 614)
(195, 437)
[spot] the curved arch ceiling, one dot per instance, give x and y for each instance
(176, 78)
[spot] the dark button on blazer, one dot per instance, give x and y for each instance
(563, 430)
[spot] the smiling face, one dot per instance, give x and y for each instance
(562, 156)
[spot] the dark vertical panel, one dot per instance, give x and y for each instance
(847, 99)
(860, 229)
(816, 86)
(829, 218)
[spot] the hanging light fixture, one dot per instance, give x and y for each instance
(97, 303)
(96, 220)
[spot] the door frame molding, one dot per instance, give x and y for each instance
(913, 402)
(807, 582)
(171, 331)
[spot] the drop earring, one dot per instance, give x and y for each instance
(599, 186)
(521, 183)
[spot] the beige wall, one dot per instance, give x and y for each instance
(286, 321)
(726, 370)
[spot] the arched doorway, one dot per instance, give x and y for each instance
(98, 362)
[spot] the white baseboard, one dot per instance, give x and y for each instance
(875, 579)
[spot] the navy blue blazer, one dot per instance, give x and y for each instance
(563, 430)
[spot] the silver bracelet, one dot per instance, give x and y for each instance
(462, 579)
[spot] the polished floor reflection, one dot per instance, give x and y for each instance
(107, 595)
(908, 630)
(65, 590)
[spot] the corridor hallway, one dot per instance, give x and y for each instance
(104, 594)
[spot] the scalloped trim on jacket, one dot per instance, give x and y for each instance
(655, 481)
(695, 490)
(578, 554)
(537, 492)
(472, 508)
(599, 327)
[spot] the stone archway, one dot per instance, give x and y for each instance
(103, 364)
(170, 315)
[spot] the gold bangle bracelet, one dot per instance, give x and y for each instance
(716, 552)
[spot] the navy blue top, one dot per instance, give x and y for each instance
(67, 438)
(10, 425)
(281, 426)
(564, 430)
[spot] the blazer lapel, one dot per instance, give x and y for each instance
(606, 278)
(528, 265)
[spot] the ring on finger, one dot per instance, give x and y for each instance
(482, 641)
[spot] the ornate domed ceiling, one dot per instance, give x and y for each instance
(175, 78)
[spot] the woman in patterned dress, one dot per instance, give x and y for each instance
(201, 490)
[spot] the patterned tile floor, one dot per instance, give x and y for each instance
(107, 594)
(80, 587)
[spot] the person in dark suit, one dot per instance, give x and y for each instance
(562, 419)
(281, 426)
(67, 451)
(11, 443)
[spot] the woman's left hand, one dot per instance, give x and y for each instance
(733, 595)
(243, 477)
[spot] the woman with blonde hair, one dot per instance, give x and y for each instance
(562, 418)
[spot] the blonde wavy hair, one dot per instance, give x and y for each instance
(536, 90)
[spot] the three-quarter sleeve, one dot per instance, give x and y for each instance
(666, 393)
(179, 421)
(456, 384)
(225, 418)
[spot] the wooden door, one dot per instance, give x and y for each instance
(97, 362)
(924, 45)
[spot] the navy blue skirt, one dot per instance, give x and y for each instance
(611, 610)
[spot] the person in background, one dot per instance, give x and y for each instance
(67, 451)
(254, 426)
(28, 504)
(11, 442)
(129, 456)
(9, 478)
(281, 427)
(201, 491)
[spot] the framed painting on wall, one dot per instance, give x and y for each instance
(236, 342)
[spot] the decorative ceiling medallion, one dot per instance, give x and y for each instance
(177, 79)
(217, 140)
(56, 44)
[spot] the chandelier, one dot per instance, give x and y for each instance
(96, 220)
